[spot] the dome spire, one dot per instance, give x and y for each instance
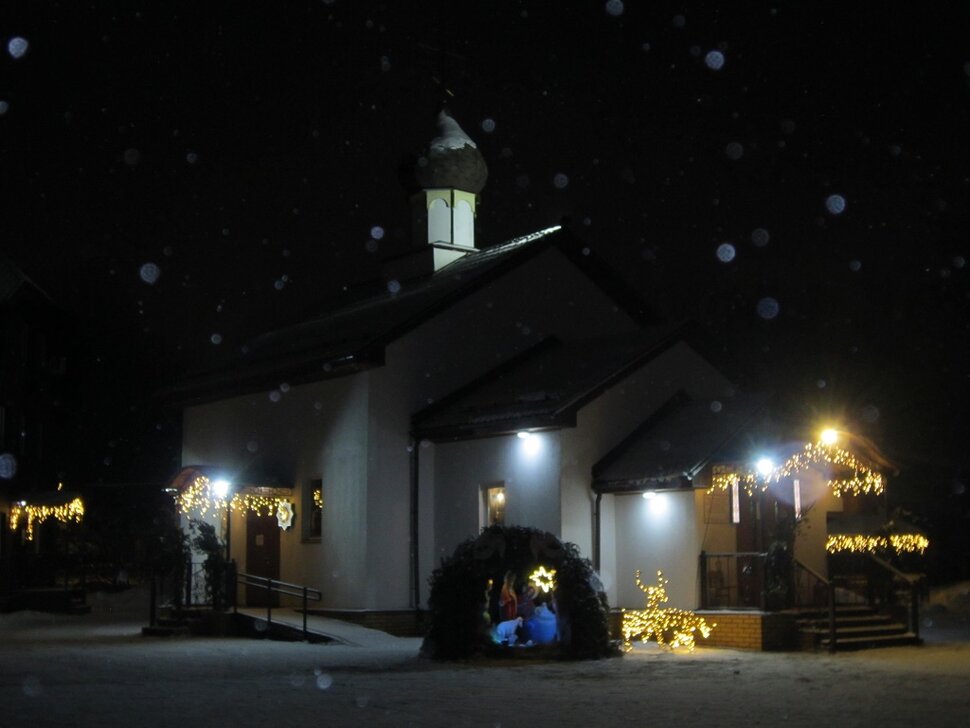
(446, 178)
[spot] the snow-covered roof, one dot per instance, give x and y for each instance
(450, 135)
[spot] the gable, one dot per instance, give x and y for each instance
(354, 337)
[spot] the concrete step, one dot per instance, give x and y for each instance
(869, 642)
(841, 632)
(842, 621)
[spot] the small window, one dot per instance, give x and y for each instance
(495, 506)
(313, 510)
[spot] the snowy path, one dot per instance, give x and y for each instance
(84, 671)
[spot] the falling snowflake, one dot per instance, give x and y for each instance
(726, 252)
(734, 151)
(835, 204)
(768, 308)
(149, 273)
(614, 8)
(17, 47)
(714, 60)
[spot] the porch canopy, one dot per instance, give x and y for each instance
(672, 446)
(543, 388)
(192, 488)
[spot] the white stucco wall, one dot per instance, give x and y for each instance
(314, 430)
(463, 469)
(659, 534)
(353, 432)
(601, 426)
(462, 343)
(811, 533)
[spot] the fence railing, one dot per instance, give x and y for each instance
(811, 590)
(275, 586)
(733, 580)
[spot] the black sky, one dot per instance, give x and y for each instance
(248, 152)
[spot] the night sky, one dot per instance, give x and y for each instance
(794, 176)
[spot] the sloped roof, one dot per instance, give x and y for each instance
(12, 280)
(542, 388)
(671, 446)
(352, 336)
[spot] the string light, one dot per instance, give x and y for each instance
(31, 514)
(670, 627)
(902, 543)
(200, 498)
(864, 480)
(544, 580)
(317, 498)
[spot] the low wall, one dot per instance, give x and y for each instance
(746, 630)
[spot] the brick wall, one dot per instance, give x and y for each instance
(738, 630)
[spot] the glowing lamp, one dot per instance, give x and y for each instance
(649, 494)
(220, 488)
(530, 443)
(829, 436)
(764, 466)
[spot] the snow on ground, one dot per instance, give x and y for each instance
(97, 670)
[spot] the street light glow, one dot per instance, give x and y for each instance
(220, 488)
(765, 466)
(829, 436)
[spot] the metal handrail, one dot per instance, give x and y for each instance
(913, 582)
(279, 587)
(830, 599)
(738, 594)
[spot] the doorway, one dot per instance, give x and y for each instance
(262, 557)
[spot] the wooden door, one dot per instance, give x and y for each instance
(262, 556)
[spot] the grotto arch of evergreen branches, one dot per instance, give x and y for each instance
(464, 590)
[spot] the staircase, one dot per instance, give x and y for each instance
(857, 627)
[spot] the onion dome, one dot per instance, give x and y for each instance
(452, 160)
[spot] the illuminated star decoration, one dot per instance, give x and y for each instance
(670, 627)
(284, 514)
(544, 580)
(31, 514)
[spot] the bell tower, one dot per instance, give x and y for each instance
(445, 181)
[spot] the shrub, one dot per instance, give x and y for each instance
(464, 590)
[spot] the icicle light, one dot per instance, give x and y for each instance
(901, 543)
(31, 514)
(864, 480)
(199, 498)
